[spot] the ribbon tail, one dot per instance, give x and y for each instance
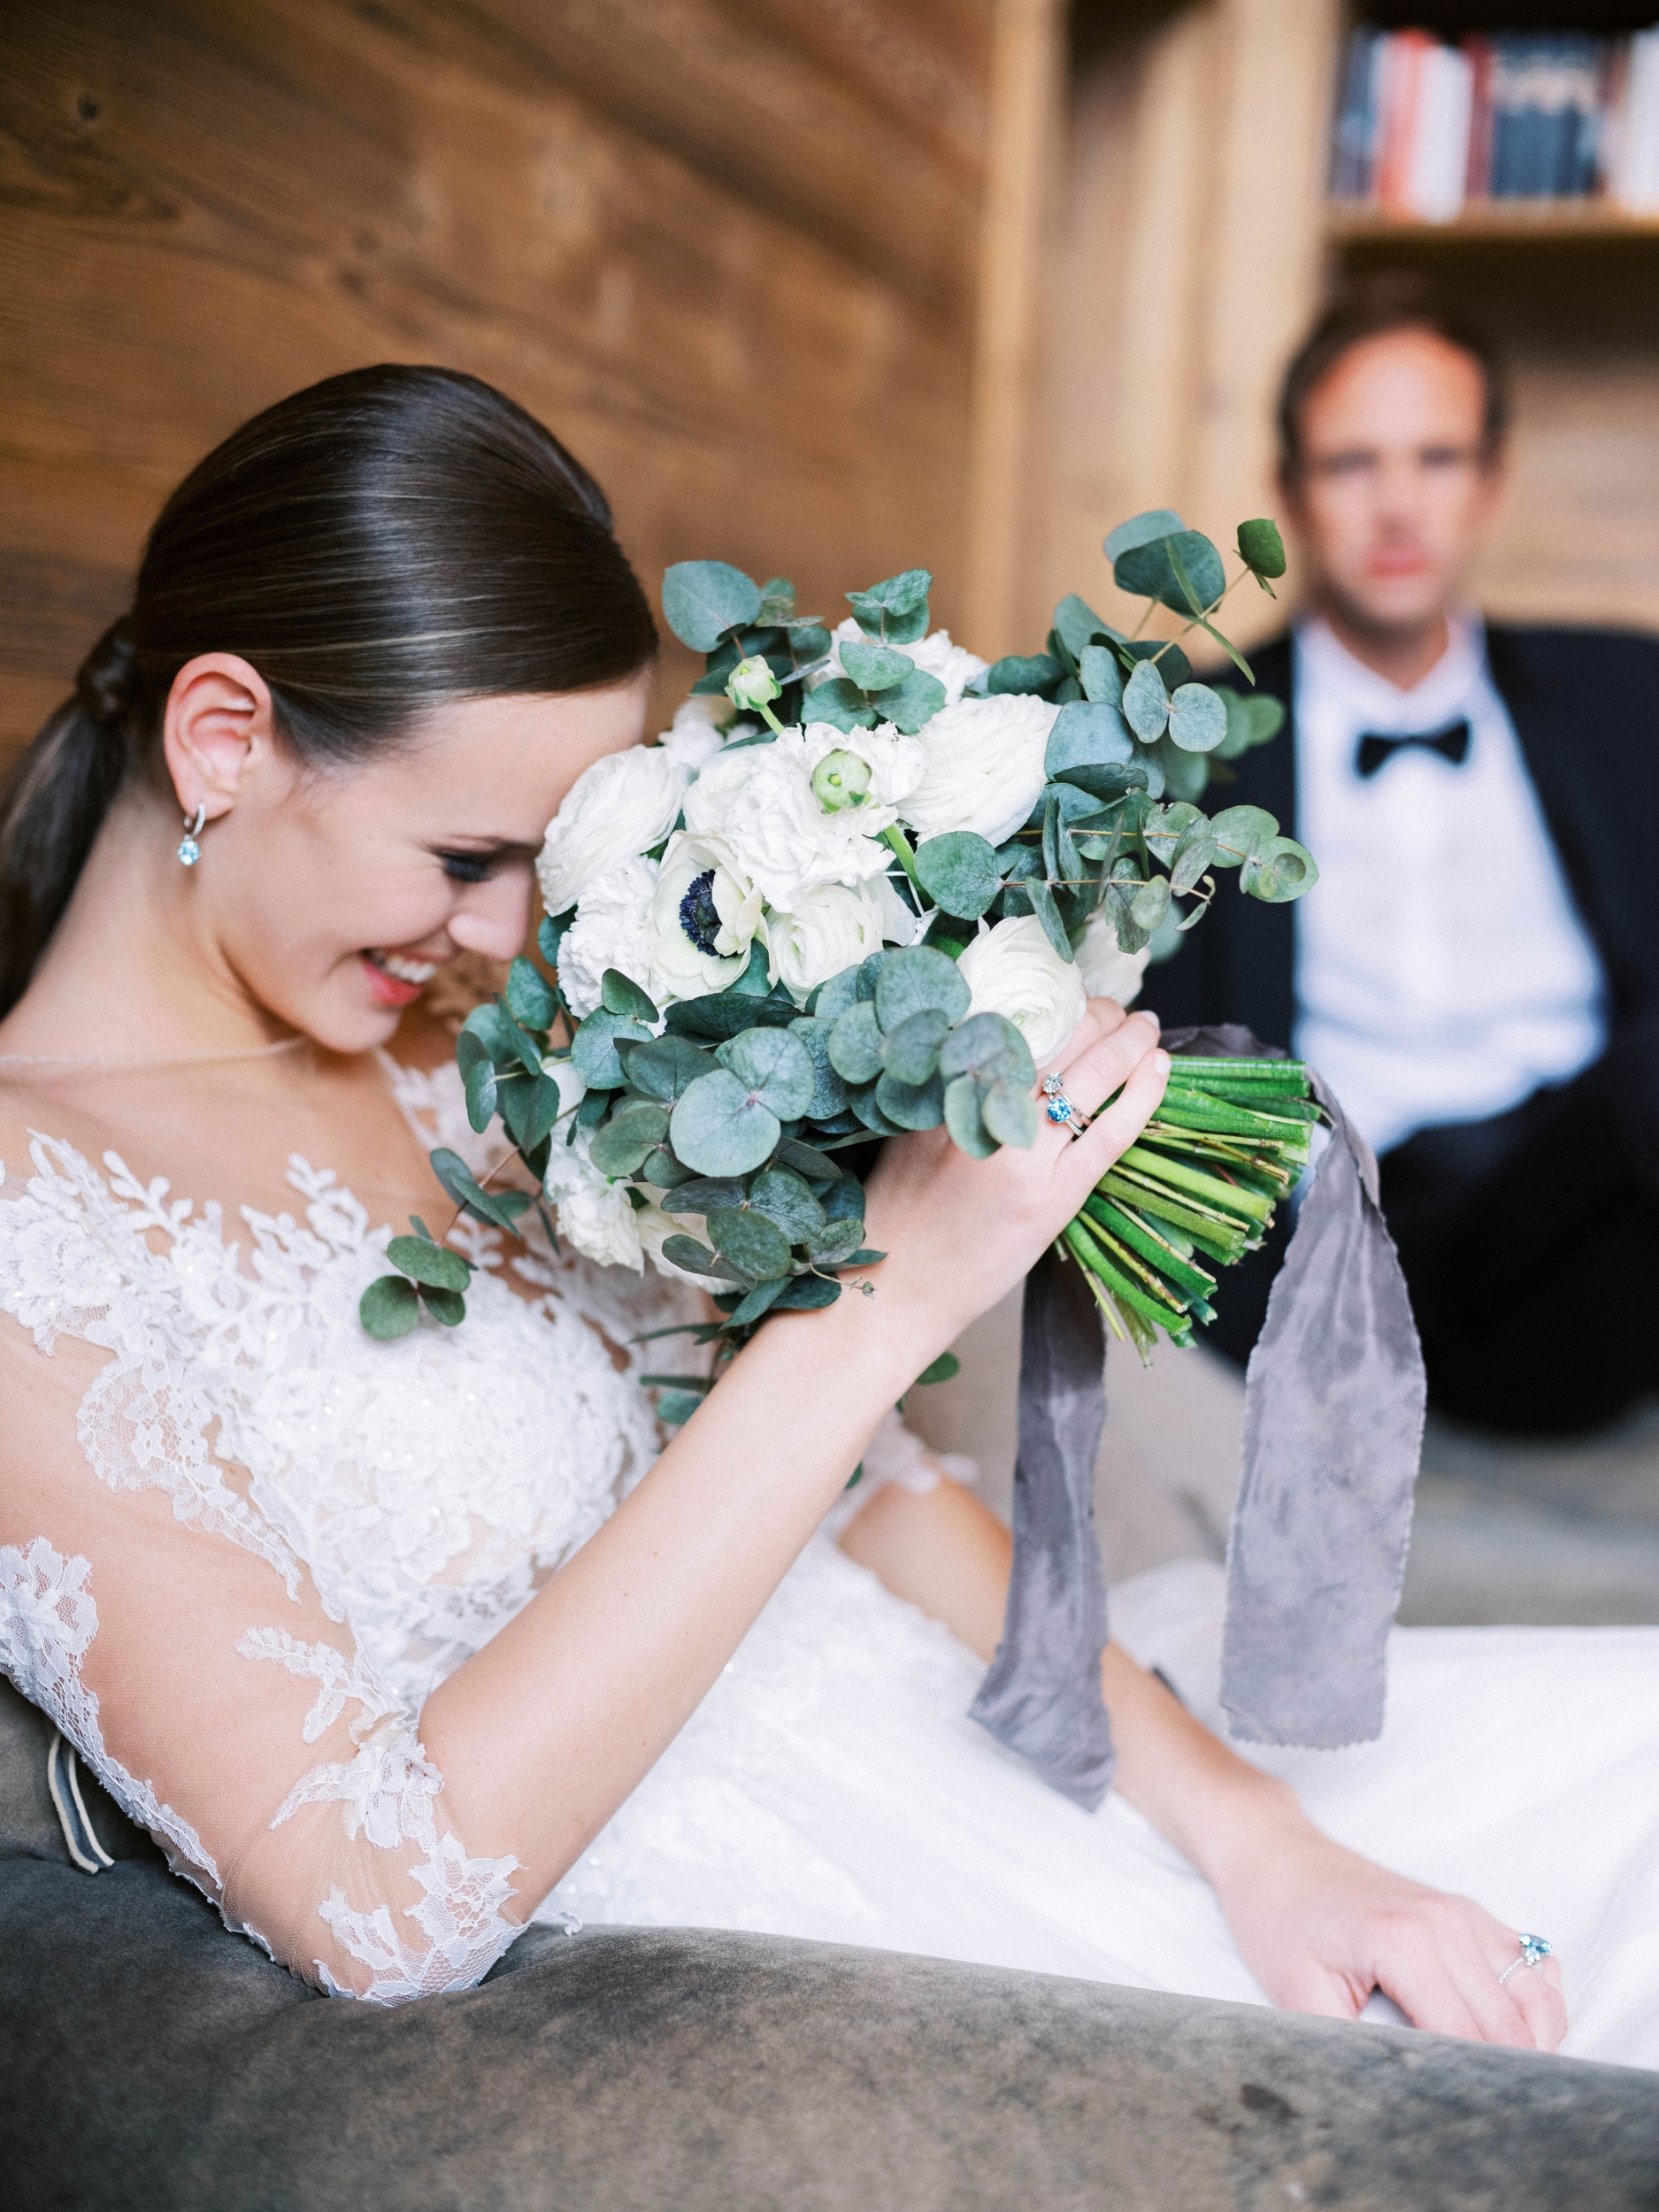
(1042, 1694)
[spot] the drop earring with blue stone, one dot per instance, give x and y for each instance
(189, 844)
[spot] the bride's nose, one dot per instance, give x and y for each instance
(494, 917)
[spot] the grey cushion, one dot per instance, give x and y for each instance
(147, 2059)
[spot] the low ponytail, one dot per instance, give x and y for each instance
(55, 802)
(377, 546)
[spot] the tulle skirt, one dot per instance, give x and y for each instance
(831, 1787)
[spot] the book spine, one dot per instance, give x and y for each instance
(1477, 177)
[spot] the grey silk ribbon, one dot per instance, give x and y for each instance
(1333, 1432)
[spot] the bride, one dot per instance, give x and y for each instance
(396, 1647)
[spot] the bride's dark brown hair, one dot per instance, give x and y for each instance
(380, 544)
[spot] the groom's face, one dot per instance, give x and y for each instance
(1397, 483)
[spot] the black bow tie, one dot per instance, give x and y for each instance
(1452, 744)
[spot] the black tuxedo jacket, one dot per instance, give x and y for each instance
(1585, 707)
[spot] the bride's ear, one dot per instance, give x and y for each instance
(218, 723)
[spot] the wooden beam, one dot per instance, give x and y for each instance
(1026, 75)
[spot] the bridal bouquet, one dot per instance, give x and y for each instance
(864, 885)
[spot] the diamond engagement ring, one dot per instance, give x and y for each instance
(1534, 1951)
(1060, 1109)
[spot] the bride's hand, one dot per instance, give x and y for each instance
(962, 1231)
(1320, 1928)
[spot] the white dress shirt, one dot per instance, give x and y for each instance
(1442, 972)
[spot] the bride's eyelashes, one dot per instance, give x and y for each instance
(468, 867)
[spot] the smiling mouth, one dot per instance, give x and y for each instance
(402, 969)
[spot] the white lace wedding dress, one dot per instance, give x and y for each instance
(272, 1536)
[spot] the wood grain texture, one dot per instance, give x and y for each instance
(726, 248)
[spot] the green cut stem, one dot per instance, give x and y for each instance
(1194, 1281)
(1152, 1283)
(1219, 1236)
(1094, 1262)
(1226, 1196)
(895, 839)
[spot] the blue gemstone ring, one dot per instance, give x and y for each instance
(1534, 1950)
(1059, 1108)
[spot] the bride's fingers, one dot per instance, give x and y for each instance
(1100, 1017)
(1128, 1064)
(1537, 1995)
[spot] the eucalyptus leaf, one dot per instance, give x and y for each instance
(910, 1052)
(1198, 718)
(874, 667)
(1022, 672)
(1261, 548)
(1150, 760)
(855, 1047)
(841, 704)
(1277, 870)
(722, 1014)
(1087, 734)
(1043, 906)
(389, 1307)
(836, 1240)
(1181, 569)
(1194, 854)
(718, 1130)
(535, 1109)
(666, 1067)
(593, 1047)
(959, 871)
(829, 1092)
(1010, 1114)
(843, 1200)
(1172, 663)
(424, 1261)
(703, 1192)
(759, 1300)
(1151, 904)
(786, 1200)
(910, 706)
(988, 1046)
(702, 600)
(944, 1369)
(695, 1258)
(500, 1208)
(1101, 676)
(662, 1169)
(776, 600)
(808, 1294)
(895, 612)
(1253, 717)
(1238, 831)
(479, 1085)
(1143, 529)
(1185, 775)
(632, 1132)
(917, 978)
(964, 1120)
(836, 996)
(447, 1306)
(550, 934)
(911, 1105)
(868, 1108)
(775, 1069)
(1079, 626)
(619, 993)
(675, 1408)
(748, 1241)
(1146, 703)
(808, 1162)
(529, 996)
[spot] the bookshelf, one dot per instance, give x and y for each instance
(1498, 221)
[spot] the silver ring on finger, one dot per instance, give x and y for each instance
(1060, 1109)
(1534, 1950)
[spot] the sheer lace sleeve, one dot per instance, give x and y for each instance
(160, 1612)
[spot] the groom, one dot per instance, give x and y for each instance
(1477, 972)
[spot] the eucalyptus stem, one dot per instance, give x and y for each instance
(895, 841)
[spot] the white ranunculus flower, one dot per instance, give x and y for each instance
(984, 766)
(935, 655)
(620, 807)
(610, 931)
(900, 925)
(757, 803)
(700, 920)
(1107, 970)
(897, 763)
(593, 1214)
(828, 930)
(698, 730)
(1013, 970)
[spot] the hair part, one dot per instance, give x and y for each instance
(1375, 310)
(380, 544)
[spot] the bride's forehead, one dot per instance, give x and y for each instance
(515, 743)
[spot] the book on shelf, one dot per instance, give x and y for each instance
(1424, 125)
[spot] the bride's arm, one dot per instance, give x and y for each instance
(543, 1733)
(1318, 1926)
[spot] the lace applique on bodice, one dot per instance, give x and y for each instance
(414, 1493)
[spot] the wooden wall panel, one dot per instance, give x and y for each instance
(726, 248)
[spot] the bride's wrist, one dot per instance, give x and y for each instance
(1261, 1822)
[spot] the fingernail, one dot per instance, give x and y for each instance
(1147, 1015)
(1161, 1061)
